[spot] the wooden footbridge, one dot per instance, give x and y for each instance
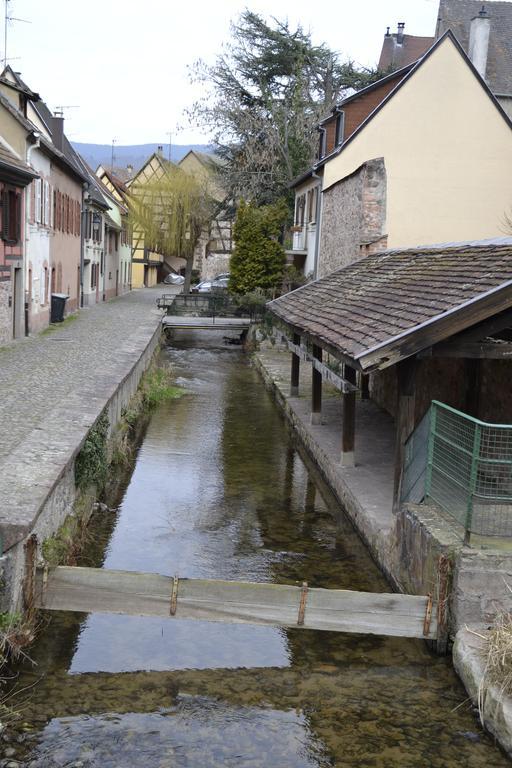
(206, 311)
(148, 594)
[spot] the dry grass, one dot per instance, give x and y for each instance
(497, 652)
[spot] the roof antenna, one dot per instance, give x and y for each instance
(7, 19)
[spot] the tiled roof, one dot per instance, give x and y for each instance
(368, 304)
(9, 161)
(394, 55)
(457, 14)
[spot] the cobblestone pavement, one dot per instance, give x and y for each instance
(36, 374)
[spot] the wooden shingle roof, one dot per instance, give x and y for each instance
(389, 306)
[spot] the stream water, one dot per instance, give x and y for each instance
(220, 489)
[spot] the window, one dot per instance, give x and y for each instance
(299, 210)
(321, 143)
(312, 203)
(94, 276)
(340, 128)
(11, 215)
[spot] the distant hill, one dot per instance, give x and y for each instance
(101, 154)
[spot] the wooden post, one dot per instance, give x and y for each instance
(365, 386)
(295, 372)
(472, 377)
(405, 417)
(316, 389)
(349, 421)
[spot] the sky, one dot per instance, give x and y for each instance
(120, 67)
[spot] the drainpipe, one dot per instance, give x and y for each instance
(37, 136)
(83, 212)
(318, 223)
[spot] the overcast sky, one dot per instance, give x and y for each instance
(124, 63)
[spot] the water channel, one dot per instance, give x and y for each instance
(220, 489)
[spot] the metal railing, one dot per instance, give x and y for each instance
(208, 305)
(467, 470)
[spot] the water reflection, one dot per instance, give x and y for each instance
(221, 490)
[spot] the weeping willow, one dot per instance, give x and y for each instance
(170, 213)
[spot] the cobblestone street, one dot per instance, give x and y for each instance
(38, 373)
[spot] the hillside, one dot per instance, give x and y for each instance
(136, 154)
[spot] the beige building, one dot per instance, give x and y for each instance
(213, 250)
(430, 164)
(147, 264)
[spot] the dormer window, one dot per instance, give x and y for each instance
(340, 128)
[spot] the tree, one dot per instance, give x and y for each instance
(170, 213)
(258, 258)
(268, 90)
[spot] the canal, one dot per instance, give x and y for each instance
(221, 490)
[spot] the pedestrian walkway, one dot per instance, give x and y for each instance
(54, 387)
(40, 372)
(365, 490)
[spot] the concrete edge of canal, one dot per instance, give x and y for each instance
(37, 482)
(409, 553)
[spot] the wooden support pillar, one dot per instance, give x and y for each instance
(472, 376)
(349, 421)
(295, 372)
(405, 417)
(365, 386)
(316, 389)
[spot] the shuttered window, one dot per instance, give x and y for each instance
(11, 215)
(38, 201)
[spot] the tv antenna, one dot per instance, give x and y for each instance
(8, 18)
(59, 111)
(112, 156)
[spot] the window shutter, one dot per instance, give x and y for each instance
(32, 202)
(5, 214)
(46, 217)
(17, 220)
(38, 201)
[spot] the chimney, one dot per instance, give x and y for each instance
(160, 150)
(400, 32)
(479, 40)
(387, 32)
(57, 127)
(129, 168)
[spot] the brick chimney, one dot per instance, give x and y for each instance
(479, 41)
(400, 33)
(57, 127)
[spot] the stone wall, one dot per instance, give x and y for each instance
(5, 312)
(353, 218)
(482, 586)
(38, 500)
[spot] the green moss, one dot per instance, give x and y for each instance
(91, 464)
(57, 326)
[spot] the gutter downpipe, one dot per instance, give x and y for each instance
(85, 198)
(35, 145)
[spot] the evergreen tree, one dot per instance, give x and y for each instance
(258, 258)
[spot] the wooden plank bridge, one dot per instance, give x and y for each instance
(148, 594)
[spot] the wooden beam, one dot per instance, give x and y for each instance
(329, 375)
(437, 329)
(405, 418)
(472, 380)
(479, 350)
(349, 421)
(150, 594)
(295, 369)
(316, 388)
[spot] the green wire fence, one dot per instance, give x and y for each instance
(465, 466)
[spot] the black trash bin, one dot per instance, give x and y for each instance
(58, 306)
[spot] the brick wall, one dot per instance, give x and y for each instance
(353, 217)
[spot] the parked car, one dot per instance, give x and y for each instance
(173, 278)
(218, 283)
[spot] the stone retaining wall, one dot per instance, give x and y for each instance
(37, 483)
